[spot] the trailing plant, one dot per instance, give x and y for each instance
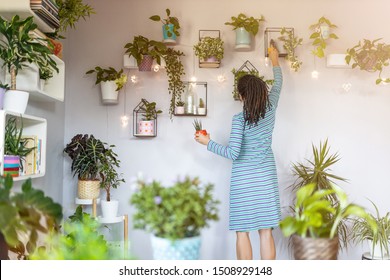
(24, 215)
(250, 24)
(142, 46)
(168, 20)
(109, 74)
(290, 43)
(175, 71)
(362, 231)
(370, 56)
(240, 73)
(174, 212)
(18, 48)
(149, 108)
(319, 41)
(209, 47)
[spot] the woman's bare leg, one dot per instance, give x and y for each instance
(243, 246)
(267, 244)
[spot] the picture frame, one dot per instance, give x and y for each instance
(273, 33)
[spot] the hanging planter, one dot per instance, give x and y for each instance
(243, 39)
(322, 32)
(146, 64)
(109, 92)
(170, 27)
(210, 49)
(145, 119)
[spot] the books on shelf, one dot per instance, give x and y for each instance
(33, 161)
(47, 10)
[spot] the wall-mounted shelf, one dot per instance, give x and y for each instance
(32, 126)
(194, 92)
(9, 8)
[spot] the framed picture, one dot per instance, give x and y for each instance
(272, 34)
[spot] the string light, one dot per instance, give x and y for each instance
(221, 78)
(134, 79)
(315, 74)
(266, 62)
(124, 120)
(193, 79)
(156, 68)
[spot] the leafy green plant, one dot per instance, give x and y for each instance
(149, 109)
(168, 20)
(18, 48)
(142, 46)
(201, 103)
(180, 103)
(370, 56)
(4, 86)
(175, 212)
(362, 231)
(316, 217)
(175, 71)
(109, 74)
(209, 47)
(25, 213)
(319, 41)
(240, 73)
(45, 73)
(71, 11)
(250, 24)
(290, 43)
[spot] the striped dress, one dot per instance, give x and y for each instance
(254, 193)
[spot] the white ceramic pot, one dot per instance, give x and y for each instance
(201, 111)
(180, 110)
(243, 39)
(109, 208)
(16, 101)
(109, 93)
(146, 127)
(376, 251)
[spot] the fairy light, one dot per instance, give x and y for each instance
(315, 74)
(193, 79)
(134, 79)
(266, 61)
(156, 68)
(221, 78)
(125, 120)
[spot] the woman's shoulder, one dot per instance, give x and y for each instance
(239, 115)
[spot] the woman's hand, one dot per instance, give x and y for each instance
(273, 55)
(202, 139)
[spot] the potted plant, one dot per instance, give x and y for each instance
(15, 147)
(17, 50)
(145, 51)
(198, 127)
(210, 51)
(170, 27)
(370, 56)
(322, 31)
(201, 107)
(290, 43)
(315, 223)
(242, 72)
(174, 215)
(149, 115)
(245, 27)
(180, 107)
(110, 178)
(111, 82)
(379, 240)
(25, 214)
(175, 71)
(85, 152)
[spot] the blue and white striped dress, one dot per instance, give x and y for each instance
(254, 193)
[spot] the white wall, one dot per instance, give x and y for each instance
(355, 122)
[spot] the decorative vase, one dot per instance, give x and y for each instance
(168, 35)
(181, 249)
(243, 39)
(88, 189)
(180, 110)
(11, 165)
(146, 127)
(315, 248)
(109, 208)
(190, 99)
(146, 63)
(16, 101)
(109, 93)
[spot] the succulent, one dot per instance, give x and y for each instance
(197, 124)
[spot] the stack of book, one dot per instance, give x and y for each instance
(31, 164)
(47, 10)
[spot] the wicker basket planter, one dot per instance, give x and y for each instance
(315, 248)
(88, 189)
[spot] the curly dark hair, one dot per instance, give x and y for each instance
(254, 94)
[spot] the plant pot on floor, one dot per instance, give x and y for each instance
(376, 251)
(315, 248)
(243, 39)
(146, 63)
(16, 101)
(88, 189)
(181, 249)
(109, 208)
(109, 93)
(11, 165)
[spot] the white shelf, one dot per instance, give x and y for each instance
(31, 126)
(111, 220)
(80, 201)
(9, 8)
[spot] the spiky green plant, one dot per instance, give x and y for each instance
(197, 124)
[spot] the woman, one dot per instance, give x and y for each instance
(254, 194)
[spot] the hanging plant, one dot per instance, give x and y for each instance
(290, 43)
(322, 32)
(242, 72)
(370, 56)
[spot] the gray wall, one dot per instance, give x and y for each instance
(310, 110)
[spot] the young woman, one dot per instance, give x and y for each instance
(254, 193)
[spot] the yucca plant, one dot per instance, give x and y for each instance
(362, 231)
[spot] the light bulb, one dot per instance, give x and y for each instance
(124, 120)
(266, 62)
(134, 79)
(156, 68)
(193, 79)
(315, 74)
(346, 87)
(221, 78)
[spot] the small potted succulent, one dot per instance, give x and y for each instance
(146, 126)
(245, 27)
(111, 82)
(322, 31)
(145, 51)
(198, 127)
(179, 110)
(210, 51)
(170, 27)
(201, 107)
